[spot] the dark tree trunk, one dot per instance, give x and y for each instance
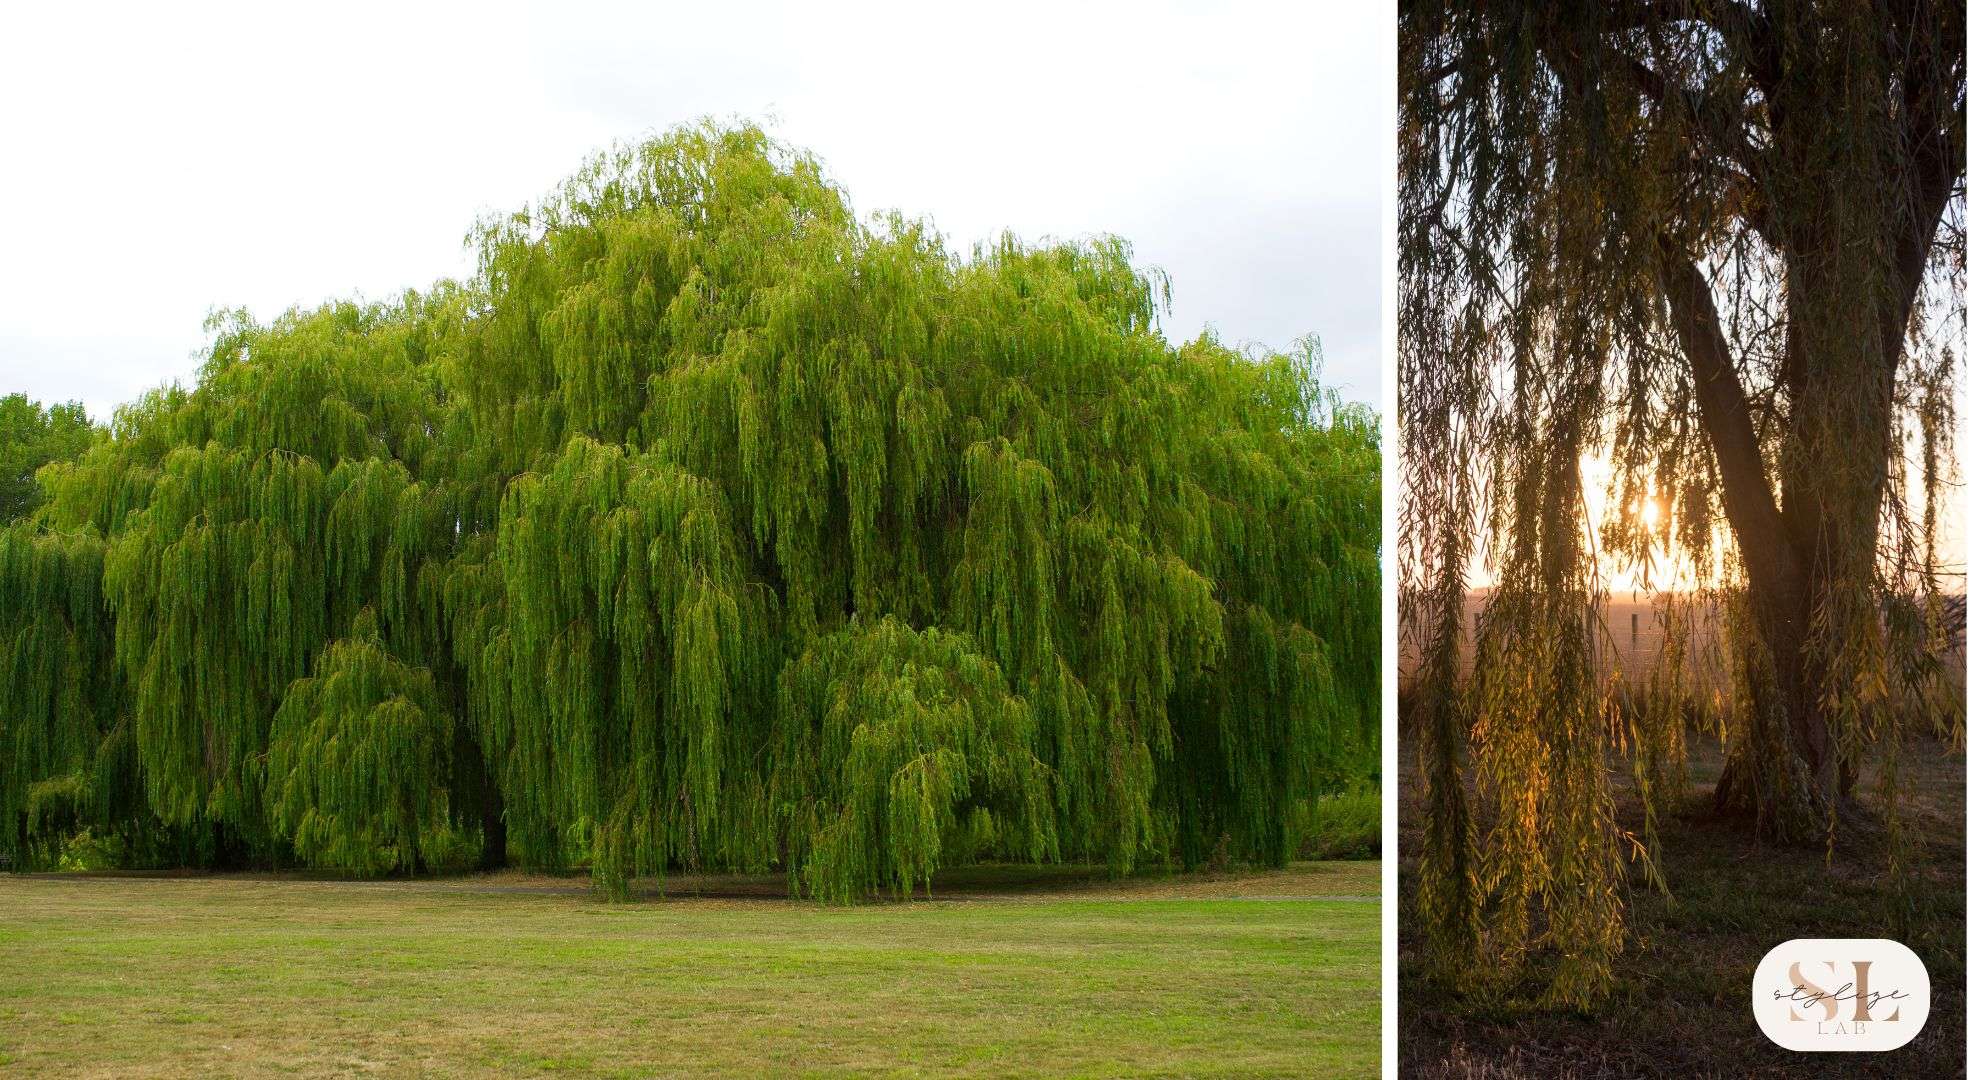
(477, 795)
(494, 834)
(1854, 259)
(488, 803)
(1788, 771)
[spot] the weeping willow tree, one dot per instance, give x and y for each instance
(1002, 446)
(58, 701)
(709, 526)
(1720, 246)
(249, 523)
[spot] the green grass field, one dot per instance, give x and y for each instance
(1005, 973)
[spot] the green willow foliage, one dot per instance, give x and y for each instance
(31, 436)
(58, 700)
(352, 756)
(709, 527)
(892, 742)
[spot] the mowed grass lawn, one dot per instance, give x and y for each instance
(1273, 974)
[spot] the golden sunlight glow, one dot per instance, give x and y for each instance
(1631, 572)
(1628, 575)
(1638, 573)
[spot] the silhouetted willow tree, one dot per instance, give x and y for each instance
(709, 527)
(1721, 245)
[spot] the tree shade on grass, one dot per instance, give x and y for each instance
(708, 527)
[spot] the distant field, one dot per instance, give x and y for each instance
(1629, 638)
(1009, 973)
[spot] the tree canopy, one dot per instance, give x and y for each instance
(708, 526)
(33, 435)
(1719, 245)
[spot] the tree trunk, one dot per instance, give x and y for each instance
(1852, 221)
(1788, 771)
(494, 835)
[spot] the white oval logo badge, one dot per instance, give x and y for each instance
(1841, 994)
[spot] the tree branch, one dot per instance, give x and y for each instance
(1749, 498)
(1715, 130)
(1737, 23)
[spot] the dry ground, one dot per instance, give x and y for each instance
(1007, 972)
(1683, 1004)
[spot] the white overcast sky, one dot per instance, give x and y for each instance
(161, 162)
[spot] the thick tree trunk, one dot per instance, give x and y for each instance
(1852, 222)
(1788, 770)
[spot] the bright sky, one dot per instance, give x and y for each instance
(165, 162)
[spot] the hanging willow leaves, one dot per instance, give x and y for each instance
(617, 683)
(1715, 246)
(250, 520)
(895, 747)
(356, 759)
(58, 699)
(732, 532)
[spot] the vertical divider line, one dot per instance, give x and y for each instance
(1391, 432)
